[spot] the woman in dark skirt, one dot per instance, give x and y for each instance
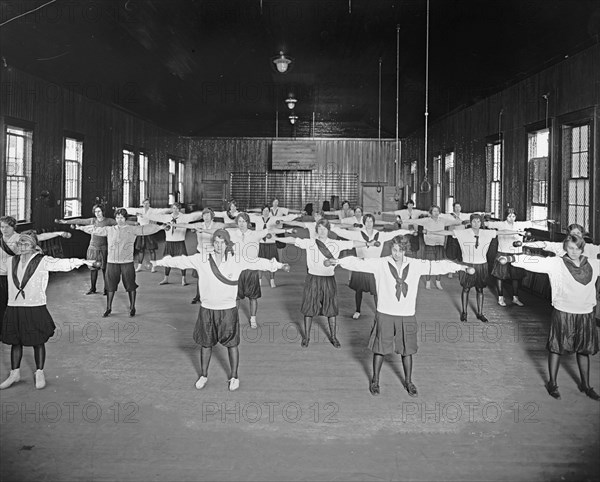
(97, 250)
(572, 327)
(434, 243)
(365, 282)
(268, 245)
(27, 321)
(320, 289)
(175, 236)
(510, 238)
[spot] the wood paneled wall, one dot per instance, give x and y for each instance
(573, 88)
(53, 112)
(212, 159)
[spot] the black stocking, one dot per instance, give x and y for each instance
(479, 300)
(407, 364)
(358, 299)
(39, 354)
(464, 298)
(16, 353)
(583, 361)
(93, 279)
(553, 364)
(377, 362)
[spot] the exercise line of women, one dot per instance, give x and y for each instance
(396, 283)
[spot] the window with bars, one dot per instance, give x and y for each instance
(128, 163)
(18, 158)
(437, 180)
(73, 156)
(176, 180)
(577, 190)
(450, 181)
(143, 176)
(494, 175)
(537, 185)
(294, 189)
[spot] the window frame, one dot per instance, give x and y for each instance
(28, 140)
(143, 175)
(530, 204)
(494, 150)
(127, 183)
(176, 180)
(437, 180)
(79, 139)
(567, 170)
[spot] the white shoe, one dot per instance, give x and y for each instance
(183, 282)
(153, 270)
(438, 285)
(427, 285)
(273, 285)
(253, 322)
(234, 384)
(139, 268)
(449, 275)
(13, 377)
(501, 301)
(164, 281)
(201, 382)
(40, 379)
(356, 315)
(517, 301)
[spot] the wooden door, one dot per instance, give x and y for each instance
(375, 202)
(214, 195)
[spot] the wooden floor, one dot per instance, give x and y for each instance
(120, 402)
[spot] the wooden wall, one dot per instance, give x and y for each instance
(52, 112)
(212, 159)
(573, 88)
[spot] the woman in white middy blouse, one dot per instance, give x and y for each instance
(27, 321)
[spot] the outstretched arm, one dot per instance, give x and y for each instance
(55, 234)
(181, 262)
(445, 266)
(97, 231)
(66, 264)
(76, 221)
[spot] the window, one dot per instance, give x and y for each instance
(450, 181)
(73, 164)
(577, 192)
(176, 177)
(414, 181)
(494, 176)
(19, 144)
(143, 178)
(437, 180)
(537, 186)
(128, 163)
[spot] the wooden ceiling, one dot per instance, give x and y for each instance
(204, 67)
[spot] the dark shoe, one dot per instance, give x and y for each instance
(132, 312)
(195, 300)
(91, 291)
(305, 342)
(374, 387)
(463, 316)
(335, 342)
(553, 390)
(481, 317)
(105, 293)
(411, 389)
(106, 313)
(589, 391)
